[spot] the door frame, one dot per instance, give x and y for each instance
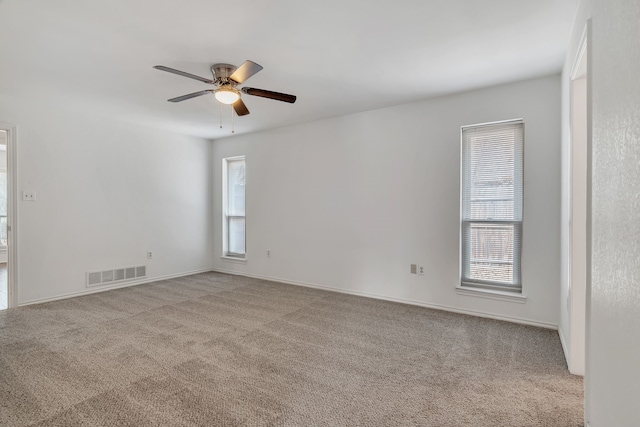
(12, 213)
(583, 57)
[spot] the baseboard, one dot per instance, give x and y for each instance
(394, 299)
(565, 349)
(90, 291)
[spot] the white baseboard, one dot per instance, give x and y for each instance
(400, 300)
(90, 291)
(565, 349)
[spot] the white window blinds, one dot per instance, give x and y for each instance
(234, 209)
(491, 205)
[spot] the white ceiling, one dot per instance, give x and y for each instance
(337, 56)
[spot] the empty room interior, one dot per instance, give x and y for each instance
(349, 213)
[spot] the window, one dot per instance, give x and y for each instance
(491, 205)
(233, 207)
(3, 206)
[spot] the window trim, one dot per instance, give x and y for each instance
(226, 255)
(491, 294)
(496, 290)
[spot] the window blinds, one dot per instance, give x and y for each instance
(491, 205)
(235, 207)
(236, 169)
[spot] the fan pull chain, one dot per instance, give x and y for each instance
(220, 116)
(233, 129)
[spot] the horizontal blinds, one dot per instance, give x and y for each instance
(235, 209)
(491, 204)
(236, 181)
(491, 254)
(236, 230)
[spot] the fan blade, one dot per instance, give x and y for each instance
(244, 71)
(269, 94)
(240, 108)
(191, 95)
(182, 73)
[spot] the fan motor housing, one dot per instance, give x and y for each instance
(221, 73)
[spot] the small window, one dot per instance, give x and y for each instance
(233, 207)
(491, 205)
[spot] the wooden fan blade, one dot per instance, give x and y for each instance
(183, 73)
(189, 96)
(244, 71)
(269, 94)
(240, 108)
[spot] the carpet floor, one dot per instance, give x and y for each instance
(219, 350)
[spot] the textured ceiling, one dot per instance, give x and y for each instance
(338, 57)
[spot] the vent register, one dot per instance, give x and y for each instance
(107, 277)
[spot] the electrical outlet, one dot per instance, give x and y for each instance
(149, 255)
(268, 254)
(29, 196)
(413, 268)
(421, 270)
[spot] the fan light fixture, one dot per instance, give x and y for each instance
(227, 95)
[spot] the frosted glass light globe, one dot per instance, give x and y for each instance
(227, 96)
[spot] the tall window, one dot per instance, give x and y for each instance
(3, 190)
(233, 207)
(491, 205)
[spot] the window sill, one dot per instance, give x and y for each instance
(234, 259)
(490, 294)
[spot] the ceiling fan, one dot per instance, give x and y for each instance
(226, 78)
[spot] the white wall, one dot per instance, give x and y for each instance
(350, 202)
(106, 193)
(614, 343)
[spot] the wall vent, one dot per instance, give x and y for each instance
(122, 274)
(107, 276)
(141, 271)
(94, 279)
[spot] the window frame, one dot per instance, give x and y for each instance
(226, 217)
(484, 285)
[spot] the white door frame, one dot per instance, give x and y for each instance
(580, 302)
(12, 213)
(578, 189)
(588, 38)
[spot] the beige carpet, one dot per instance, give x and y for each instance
(214, 349)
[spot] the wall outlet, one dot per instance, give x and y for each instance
(413, 268)
(149, 255)
(421, 270)
(29, 196)
(268, 254)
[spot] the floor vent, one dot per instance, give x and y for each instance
(108, 277)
